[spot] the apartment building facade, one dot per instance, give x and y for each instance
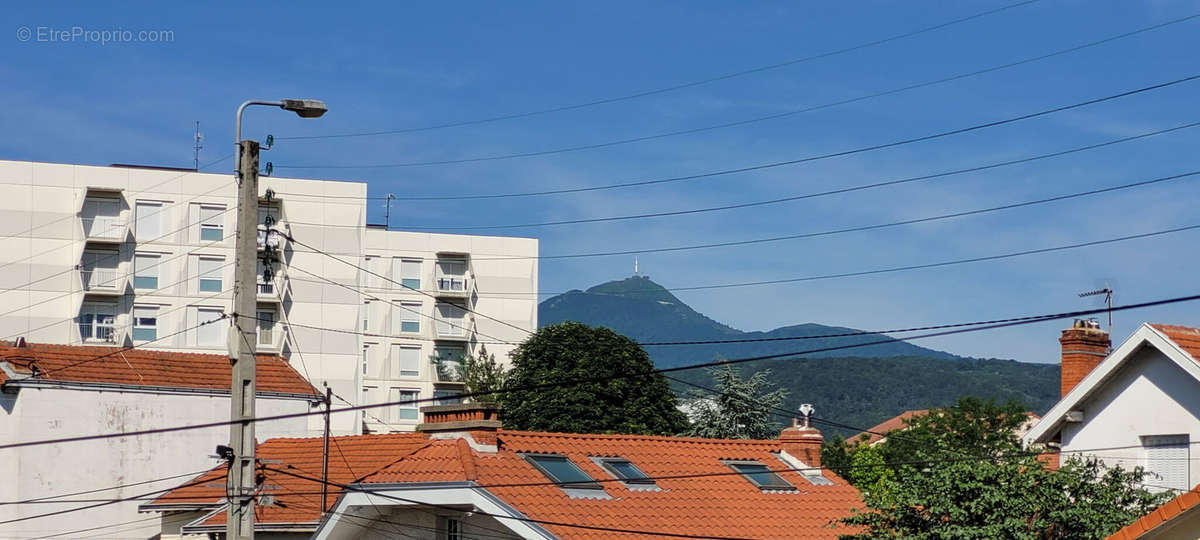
(143, 257)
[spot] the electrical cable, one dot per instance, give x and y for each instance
(792, 354)
(106, 503)
(668, 88)
(121, 350)
(90, 491)
(762, 166)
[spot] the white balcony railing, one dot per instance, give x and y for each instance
(99, 279)
(104, 227)
(452, 284)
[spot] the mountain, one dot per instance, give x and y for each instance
(859, 386)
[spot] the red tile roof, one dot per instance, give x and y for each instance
(142, 367)
(1186, 337)
(718, 504)
(712, 502)
(899, 421)
(350, 459)
(1162, 515)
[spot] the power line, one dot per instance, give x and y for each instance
(736, 123)
(1125, 186)
(923, 266)
(107, 503)
(121, 486)
(859, 150)
(792, 354)
(121, 350)
(667, 88)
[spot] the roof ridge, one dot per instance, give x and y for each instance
(626, 436)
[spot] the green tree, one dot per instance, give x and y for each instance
(960, 472)
(557, 357)
(478, 372)
(741, 409)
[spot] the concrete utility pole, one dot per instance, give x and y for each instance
(242, 338)
(241, 483)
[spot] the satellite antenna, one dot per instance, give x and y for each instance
(197, 146)
(1107, 292)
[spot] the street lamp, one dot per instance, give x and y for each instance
(240, 482)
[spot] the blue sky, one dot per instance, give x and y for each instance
(406, 65)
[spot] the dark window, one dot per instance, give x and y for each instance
(759, 475)
(626, 471)
(561, 470)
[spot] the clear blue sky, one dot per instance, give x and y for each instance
(403, 65)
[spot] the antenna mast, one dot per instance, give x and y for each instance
(1108, 295)
(196, 147)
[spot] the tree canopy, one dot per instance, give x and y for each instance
(961, 472)
(557, 357)
(740, 410)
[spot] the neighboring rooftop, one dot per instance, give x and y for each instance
(878, 433)
(1186, 337)
(1163, 520)
(122, 366)
(694, 490)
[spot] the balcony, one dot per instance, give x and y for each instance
(102, 281)
(450, 279)
(104, 229)
(269, 238)
(270, 291)
(452, 324)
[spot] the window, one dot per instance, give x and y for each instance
(209, 332)
(405, 411)
(264, 286)
(145, 323)
(452, 275)
(101, 218)
(453, 529)
(212, 227)
(410, 317)
(625, 471)
(759, 475)
(562, 471)
(373, 368)
(447, 397)
(209, 270)
(145, 271)
(451, 320)
(97, 322)
(99, 270)
(149, 220)
(1167, 459)
(408, 271)
(406, 361)
(266, 327)
(366, 316)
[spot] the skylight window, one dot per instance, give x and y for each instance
(625, 471)
(759, 475)
(562, 471)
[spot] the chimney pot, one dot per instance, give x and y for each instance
(1084, 346)
(801, 440)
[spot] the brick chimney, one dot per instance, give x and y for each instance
(477, 422)
(801, 440)
(1084, 345)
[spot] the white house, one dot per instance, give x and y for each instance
(1138, 405)
(57, 391)
(142, 256)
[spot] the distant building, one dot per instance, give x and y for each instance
(57, 391)
(127, 255)
(879, 433)
(463, 477)
(1136, 406)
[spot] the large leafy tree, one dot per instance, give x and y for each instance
(544, 392)
(961, 472)
(741, 409)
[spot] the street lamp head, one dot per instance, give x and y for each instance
(306, 108)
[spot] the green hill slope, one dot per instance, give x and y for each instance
(859, 386)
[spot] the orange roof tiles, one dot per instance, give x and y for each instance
(713, 502)
(717, 504)
(350, 459)
(1163, 514)
(1186, 337)
(143, 367)
(899, 421)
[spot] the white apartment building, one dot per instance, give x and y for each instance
(144, 256)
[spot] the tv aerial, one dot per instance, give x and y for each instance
(1104, 295)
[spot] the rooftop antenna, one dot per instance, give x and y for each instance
(387, 218)
(635, 266)
(197, 146)
(1107, 292)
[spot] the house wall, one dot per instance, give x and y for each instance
(1150, 395)
(47, 470)
(426, 525)
(42, 240)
